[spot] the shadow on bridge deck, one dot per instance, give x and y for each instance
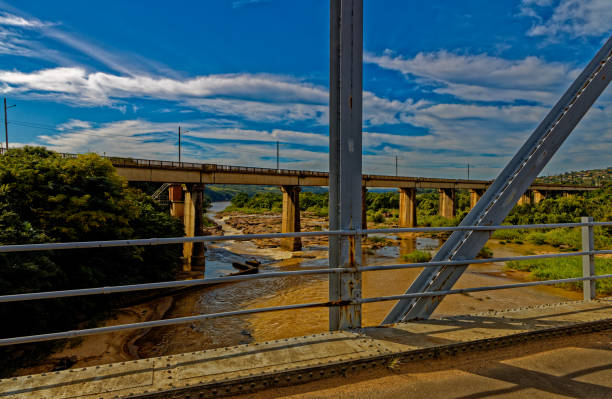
(244, 368)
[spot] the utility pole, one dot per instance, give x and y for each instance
(6, 122)
(468, 171)
(396, 166)
(179, 143)
(277, 155)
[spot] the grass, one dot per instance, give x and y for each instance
(247, 210)
(509, 235)
(569, 238)
(559, 268)
(418, 256)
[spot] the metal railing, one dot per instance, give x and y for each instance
(587, 254)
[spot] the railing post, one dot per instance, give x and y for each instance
(588, 261)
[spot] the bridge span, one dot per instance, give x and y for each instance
(189, 179)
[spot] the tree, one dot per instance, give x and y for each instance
(47, 198)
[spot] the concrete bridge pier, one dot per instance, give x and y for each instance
(538, 195)
(194, 253)
(475, 195)
(187, 204)
(447, 203)
(291, 217)
(525, 198)
(407, 207)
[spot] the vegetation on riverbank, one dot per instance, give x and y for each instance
(562, 210)
(561, 268)
(47, 198)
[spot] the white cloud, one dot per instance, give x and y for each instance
(261, 97)
(481, 77)
(7, 19)
(74, 123)
(576, 18)
(98, 88)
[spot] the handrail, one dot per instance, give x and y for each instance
(246, 237)
(230, 279)
(207, 281)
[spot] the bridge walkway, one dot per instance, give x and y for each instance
(246, 368)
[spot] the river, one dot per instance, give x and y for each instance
(301, 289)
(228, 331)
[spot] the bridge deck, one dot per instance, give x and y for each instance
(243, 368)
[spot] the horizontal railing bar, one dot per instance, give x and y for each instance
(190, 319)
(164, 241)
(229, 279)
(477, 261)
(481, 228)
(245, 237)
(479, 289)
(157, 323)
(164, 284)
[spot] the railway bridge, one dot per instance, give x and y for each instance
(187, 181)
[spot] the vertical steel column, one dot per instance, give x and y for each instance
(345, 107)
(588, 261)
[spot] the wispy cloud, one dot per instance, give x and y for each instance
(98, 88)
(7, 19)
(481, 77)
(575, 18)
(261, 97)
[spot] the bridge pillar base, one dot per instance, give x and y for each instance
(291, 217)
(538, 196)
(187, 205)
(407, 207)
(525, 199)
(447, 203)
(475, 195)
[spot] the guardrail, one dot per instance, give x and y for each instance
(587, 253)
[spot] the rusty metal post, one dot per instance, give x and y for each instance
(345, 112)
(588, 261)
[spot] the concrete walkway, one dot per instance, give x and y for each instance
(247, 368)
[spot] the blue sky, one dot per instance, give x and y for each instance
(446, 83)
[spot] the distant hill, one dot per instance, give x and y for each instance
(587, 177)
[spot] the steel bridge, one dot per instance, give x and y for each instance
(348, 345)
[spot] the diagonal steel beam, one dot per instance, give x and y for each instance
(507, 188)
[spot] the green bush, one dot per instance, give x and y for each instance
(378, 217)
(509, 235)
(485, 253)
(417, 256)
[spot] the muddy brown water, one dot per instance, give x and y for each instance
(227, 331)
